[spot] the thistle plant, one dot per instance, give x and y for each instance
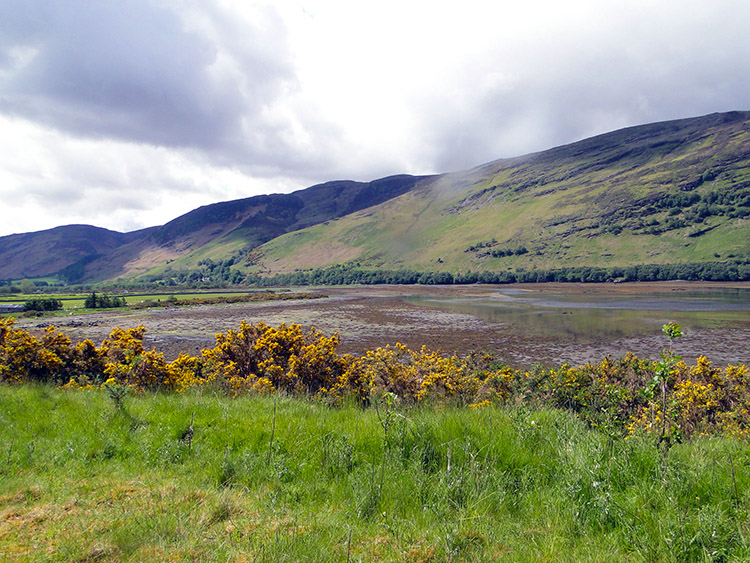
(388, 416)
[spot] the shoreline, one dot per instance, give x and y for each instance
(368, 317)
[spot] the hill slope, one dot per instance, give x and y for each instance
(46, 252)
(676, 191)
(217, 231)
(670, 192)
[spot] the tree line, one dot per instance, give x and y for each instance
(42, 305)
(738, 270)
(103, 301)
(219, 274)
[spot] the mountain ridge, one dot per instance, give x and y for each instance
(251, 220)
(674, 191)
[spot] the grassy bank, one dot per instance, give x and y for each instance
(81, 303)
(283, 479)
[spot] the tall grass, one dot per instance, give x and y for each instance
(82, 479)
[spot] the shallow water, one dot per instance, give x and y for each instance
(597, 313)
(602, 297)
(521, 325)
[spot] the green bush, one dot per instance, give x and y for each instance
(42, 305)
(103, 301)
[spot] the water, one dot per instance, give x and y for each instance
(598, 313)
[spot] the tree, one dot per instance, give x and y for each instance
(95, 301)
(42, 305)
(27, 286)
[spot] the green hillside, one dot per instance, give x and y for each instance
(675, 192)
(662, 193)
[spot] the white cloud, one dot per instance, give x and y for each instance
(46, 175)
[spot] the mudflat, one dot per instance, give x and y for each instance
(521, 324)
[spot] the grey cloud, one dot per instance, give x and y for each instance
(135, 71)
(637, 70)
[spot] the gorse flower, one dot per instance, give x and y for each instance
(629, 395)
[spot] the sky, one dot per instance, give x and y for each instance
(127, 114)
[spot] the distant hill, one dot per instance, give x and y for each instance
(83, 253)
(42, 253)
(671, 192)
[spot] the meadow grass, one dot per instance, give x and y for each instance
(280, 479)
(75, 303)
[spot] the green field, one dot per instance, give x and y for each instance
(74, 302)
(272, 447)
(83, 480)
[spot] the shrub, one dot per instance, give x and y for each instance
(100, 301)
(265, 358)
(42, 305)
(23, 357)
(666, 399)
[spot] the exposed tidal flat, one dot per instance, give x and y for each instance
(520, 324)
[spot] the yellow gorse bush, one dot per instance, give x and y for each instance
(263, 358)
(23, 357)
(705, 399)
(616, 394)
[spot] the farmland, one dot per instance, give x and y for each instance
(76, 302)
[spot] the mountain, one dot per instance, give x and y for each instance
(83, 253)
(29, 255)
(670, 192)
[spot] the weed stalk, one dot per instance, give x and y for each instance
(10, 450)
(734, 479)
(273, 431)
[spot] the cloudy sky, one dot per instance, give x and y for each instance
(126, 114)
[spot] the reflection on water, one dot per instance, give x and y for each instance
(706, 299)
(597, 313)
